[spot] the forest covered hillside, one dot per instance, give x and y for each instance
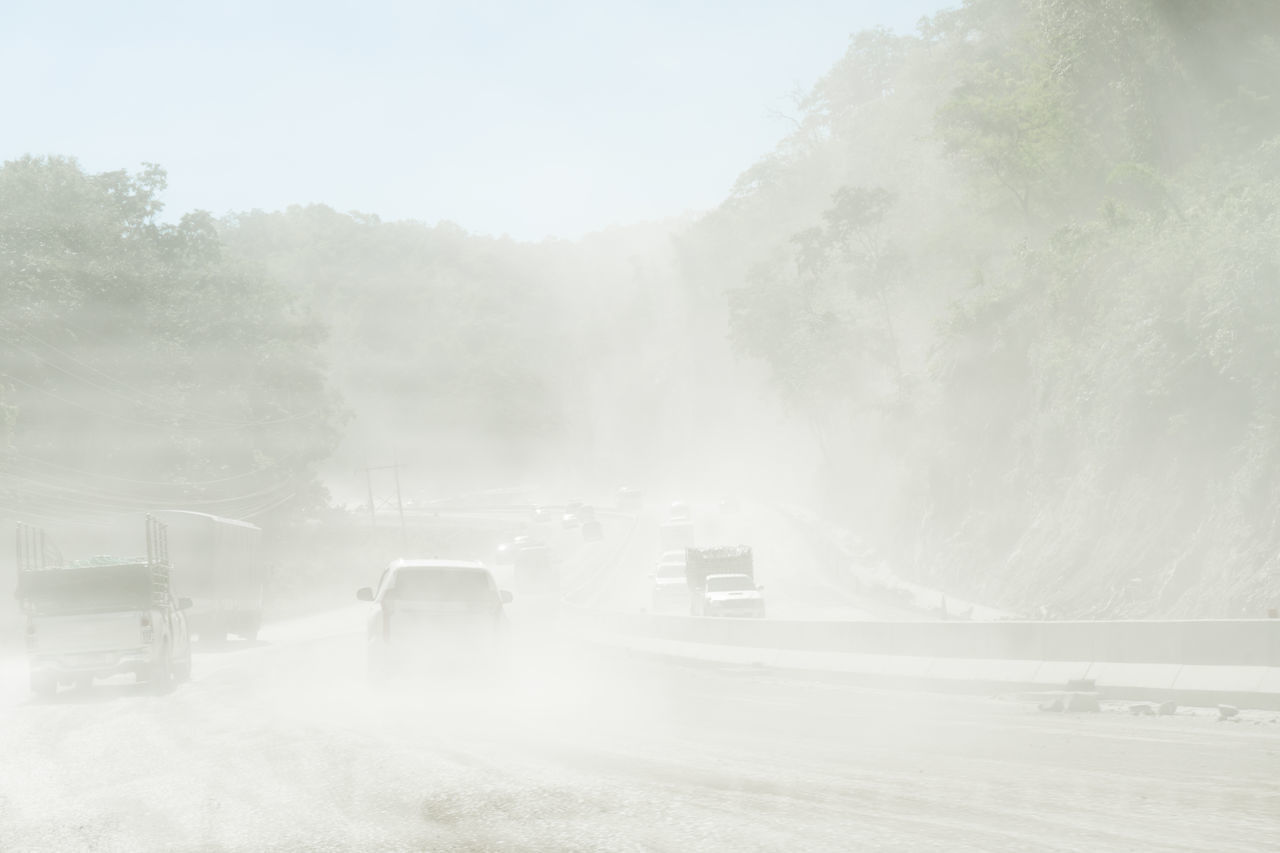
(1021, 275)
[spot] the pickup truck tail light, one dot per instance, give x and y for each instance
(147, 633)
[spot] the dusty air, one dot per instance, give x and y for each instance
(630, 427)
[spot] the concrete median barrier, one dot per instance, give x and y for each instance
(1191, 661)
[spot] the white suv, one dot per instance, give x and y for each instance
(434, 615)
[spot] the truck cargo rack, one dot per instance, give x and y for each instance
(35, 550)
(158, 559)
(716, 559)
(37, 553)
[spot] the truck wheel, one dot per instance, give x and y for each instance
(160, 673)
(44, 686)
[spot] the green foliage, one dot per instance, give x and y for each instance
(1076, 368)
(141, 367)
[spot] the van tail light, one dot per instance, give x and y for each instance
(146, 628)
(31, 636)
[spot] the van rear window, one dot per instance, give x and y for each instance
(444, 585)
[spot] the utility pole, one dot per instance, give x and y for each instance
(368, 480)
(373, 516)
(404, 537)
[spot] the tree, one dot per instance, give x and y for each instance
(143, 367)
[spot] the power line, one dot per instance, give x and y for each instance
(91, 409)
(163, 408)
(69, 357)
(134, 481)
(100, 498)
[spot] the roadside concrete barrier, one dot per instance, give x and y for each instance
(1187, 661)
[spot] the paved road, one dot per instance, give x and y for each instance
(282, 746)
(798, 573)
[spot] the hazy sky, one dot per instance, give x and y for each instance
(524, 118)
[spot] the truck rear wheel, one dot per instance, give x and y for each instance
(160, 673)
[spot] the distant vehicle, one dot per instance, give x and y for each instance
(592, 531)
(733, 592)
(505, 554)
(572, 516)
(543, 514)
(679, 511)
(629, 499)
(730, 504)
(436, 615)
(99, 617)
(675, 535)
(670, 592)
(732, 595)
(217, 563)
(673, 556)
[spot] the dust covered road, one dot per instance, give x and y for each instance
(283, 746)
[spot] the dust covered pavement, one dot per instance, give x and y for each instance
(282, 746)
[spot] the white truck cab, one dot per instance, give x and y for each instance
(732, 595)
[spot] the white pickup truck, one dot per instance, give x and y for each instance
(721, 582)
(102, 617)
(436, 616)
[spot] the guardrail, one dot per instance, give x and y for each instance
(1193, 662)
(1227, 642)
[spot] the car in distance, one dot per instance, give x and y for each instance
(629, 499)
(505, 554)
(732, 595)
(436, 615)
(592, 531)
(573, 514)
(669, 591)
